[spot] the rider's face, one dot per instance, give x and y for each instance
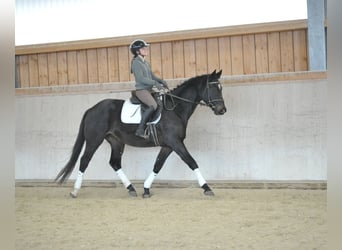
(144, 51)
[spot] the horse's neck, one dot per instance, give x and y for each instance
(186, 107)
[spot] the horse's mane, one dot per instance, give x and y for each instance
(179, 88)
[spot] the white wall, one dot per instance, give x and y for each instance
(39, 21)
(271, 131)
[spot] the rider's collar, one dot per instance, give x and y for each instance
(142, 58)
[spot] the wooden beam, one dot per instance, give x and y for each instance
(128, 86)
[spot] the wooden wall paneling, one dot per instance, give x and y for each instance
(93, 74)
(213, 55)
(33, 66)
(155, 59)
(189, 59)
(124, 64)
(274, 52)
(82, 66)
(24, 72)
(300, 50)
(102, 63)
(201, 56)
(167, 63)
(248, 45)
(286, 51)
(43, 69)
(130, 57)
(225, 55)
(17, 71)
(72, 67)
(261, 53)
(237, 55)
(178, 59)
(52, 66)
(113, 64)
(246, 49)
(62, 68)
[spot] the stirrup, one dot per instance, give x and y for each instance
(141, 133)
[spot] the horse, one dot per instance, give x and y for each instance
(102, 122)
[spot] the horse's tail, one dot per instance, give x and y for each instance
(64, 174)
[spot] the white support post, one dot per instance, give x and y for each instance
(316, 34)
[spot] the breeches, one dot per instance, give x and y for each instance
(146, 97)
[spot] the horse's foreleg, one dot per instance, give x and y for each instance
(162, 156)
(202, 183)
(126, 182)
(181, 150)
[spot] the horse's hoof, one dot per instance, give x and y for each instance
(133, 193)
(73, 195)
(209, 193)
(146, 195)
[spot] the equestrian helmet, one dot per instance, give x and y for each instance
(136, 45)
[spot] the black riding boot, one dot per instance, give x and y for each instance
(144, 118)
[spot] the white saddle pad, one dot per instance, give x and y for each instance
(131, 113)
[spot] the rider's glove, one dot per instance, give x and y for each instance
(164, 83)
(159, 86)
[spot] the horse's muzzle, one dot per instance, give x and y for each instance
(219, 109)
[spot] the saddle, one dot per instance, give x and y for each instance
(133, 108)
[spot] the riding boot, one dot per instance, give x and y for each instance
(144, 118)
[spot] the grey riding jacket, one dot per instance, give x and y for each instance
(144, 77)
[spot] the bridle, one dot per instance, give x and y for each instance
(210, 103)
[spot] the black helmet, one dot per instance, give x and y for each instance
(136, 45)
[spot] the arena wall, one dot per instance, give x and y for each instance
(274, 129)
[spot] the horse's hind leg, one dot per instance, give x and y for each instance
(162, 156)
(115, 162)
(85, 159)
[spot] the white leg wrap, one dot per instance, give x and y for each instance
(78, 182)
(149, 180)
(200, 178)
(123, 178)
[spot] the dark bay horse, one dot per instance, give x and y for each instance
(102, 122)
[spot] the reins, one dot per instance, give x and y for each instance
(182, 99)
(202, 103)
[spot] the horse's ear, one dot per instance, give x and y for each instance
(212, 75)
(218, 75)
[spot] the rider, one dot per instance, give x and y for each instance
(144, 81)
